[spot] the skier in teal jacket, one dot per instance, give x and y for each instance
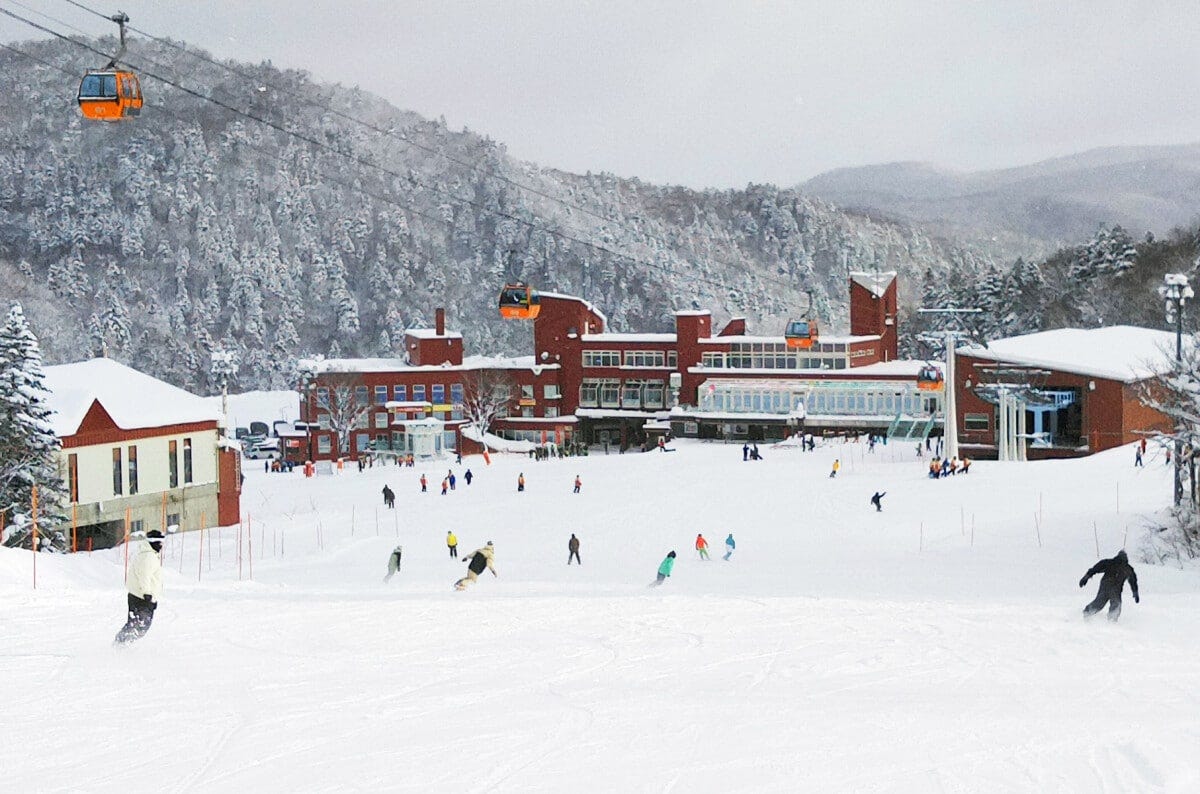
(664, 570)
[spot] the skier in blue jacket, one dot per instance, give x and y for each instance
(729, 547)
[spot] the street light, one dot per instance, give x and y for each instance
(1175, 292)
(224, 366)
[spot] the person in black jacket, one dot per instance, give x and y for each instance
(877, 500)
(1116, 570)
(389, 497)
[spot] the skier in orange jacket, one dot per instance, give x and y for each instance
(702, 546)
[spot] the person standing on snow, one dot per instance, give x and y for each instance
(445, 485)
(1116, 571)
(1137, 460)
(450, 477)
(729, 547)
(664, 570)
(877, 500)
(452, 543)
(424, 484)
(520, 482)
(144, 584)
(479, 559)
(394, 563)
(745, 452)
(389, 497)
(573, 550)
(578, 483)
(701, 546)
(837, 464)
(468, 476)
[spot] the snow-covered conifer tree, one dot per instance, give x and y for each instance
(28, 445)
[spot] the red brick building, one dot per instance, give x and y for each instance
(588, 383)
(1085, 389)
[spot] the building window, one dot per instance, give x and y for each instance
(381, 419)
(399, 393)
(362, 421)
(589, 393)
(610, 393)
(975, 422)
(324, 446)
(672, 359)
(527, 391)
(652, 395)
(187, 461)
(456, 413)
(323, 421)
(644, 358)
(439, 394)
(137, 525)
(419, 393)
(551, 410)
(173, 462)
(550, 391)
(362, 441)
(601, 358)
(73, 476)
(133, 480)
(172, 520)
(380, 395)
(118, 478)
(631, 394)
(456, 393)
(527, 411)
(322, 396)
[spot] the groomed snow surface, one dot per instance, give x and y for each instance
(839, 650)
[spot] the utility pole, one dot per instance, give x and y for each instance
(224, 367)
(1175, 292)
(949, 401)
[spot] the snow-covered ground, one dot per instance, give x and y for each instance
(935, 646)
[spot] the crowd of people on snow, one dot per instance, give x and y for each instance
(144, 580)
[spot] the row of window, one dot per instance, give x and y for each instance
(614, 393)
(781, 359)
(400, 393)
(784, 400)
(631, 358)
(125, 468)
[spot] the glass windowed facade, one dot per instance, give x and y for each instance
(867, 398)
(777, 355)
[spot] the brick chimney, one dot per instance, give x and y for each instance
(439, 321)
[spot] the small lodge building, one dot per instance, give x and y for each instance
(1082, 391)
(136, 448)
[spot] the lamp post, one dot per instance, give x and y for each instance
(1175, 292)
(224, 367)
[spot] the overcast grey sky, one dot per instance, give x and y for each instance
(721, 94)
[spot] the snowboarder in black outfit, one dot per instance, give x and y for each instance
(1116, 570)
(144, 583)
(389, 497)
(877, 500)
(573, 548)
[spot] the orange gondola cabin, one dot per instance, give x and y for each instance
(519, 302)
(110, 95)
(929, 378)
(801, 333)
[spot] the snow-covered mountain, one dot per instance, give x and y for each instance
(1034, 208)
(194, 226)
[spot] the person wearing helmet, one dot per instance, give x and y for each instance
(144, 584)
(476, 562)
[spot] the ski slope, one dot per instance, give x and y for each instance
(935, 646)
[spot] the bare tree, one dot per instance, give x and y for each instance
(342, 396)
(486, 396)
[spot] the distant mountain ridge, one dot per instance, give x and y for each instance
(1030, 209)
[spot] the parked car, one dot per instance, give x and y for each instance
(266, 448)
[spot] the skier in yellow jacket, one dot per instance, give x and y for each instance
(452, 543)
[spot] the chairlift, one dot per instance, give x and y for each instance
(519, 302)
(111, 94)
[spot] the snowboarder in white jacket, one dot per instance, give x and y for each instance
(144, 584)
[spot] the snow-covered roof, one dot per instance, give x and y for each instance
(588, 304)
(362, 365)
(885, 370)
(628, 337)
(431, 333)
(877, 283)
(1122, 353)
(133, 399)
(693, 313)
(779, 340)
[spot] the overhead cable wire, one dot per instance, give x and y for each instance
(366, 163)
